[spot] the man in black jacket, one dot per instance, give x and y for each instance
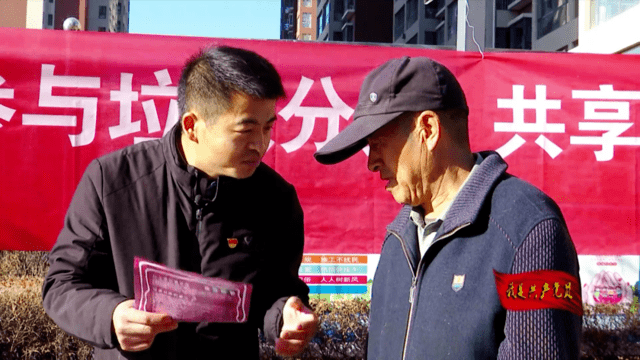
(200, 200)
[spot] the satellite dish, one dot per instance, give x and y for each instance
(72, 23)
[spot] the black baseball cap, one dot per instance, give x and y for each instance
(395, 87)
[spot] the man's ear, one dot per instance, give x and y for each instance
(428, 124)
(188, 122)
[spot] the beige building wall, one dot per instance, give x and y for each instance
(306, 20)
(14, 14)
(35, 10)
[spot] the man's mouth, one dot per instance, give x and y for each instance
(252, 162)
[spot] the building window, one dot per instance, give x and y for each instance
(51, 1)
(413, 40)
(102, 12)
(520, 34)
(551, 15)
(119, 8)
(502, 4)
(351, 5)
(306, 3)
(348, 33)
(306, 20)
(430, 10)
(320, 21)
(603, 10)
(338, 11)
(337, 36)
(398, 28)
(327, 14)
(412, 12)
(502, 38)
(49, 20)
(430, 38)
(102, 29)
(440, 35)
(452, 21)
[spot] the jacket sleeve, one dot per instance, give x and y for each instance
(544, 333)
(79, 289)
(287, 283)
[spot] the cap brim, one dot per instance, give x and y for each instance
(353, 138)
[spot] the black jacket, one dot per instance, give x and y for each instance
(496, 222)
(142, 201)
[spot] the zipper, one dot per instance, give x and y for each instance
(199, 219)
(414, 281)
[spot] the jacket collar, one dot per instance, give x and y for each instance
(183, 174)
(467, 205)
(190, 180)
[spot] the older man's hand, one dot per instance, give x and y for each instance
(299, 325)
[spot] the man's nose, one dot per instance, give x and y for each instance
(373, 162)
(260, 142)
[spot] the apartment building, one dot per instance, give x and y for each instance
(94, 15)
(548, 25)
(354, 20)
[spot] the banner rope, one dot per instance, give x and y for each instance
(473, 30)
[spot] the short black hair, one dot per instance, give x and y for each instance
(214, 75)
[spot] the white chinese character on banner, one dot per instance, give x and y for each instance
(5, 112)
(609, 112)
(149, 106)
(540, 104)
(309, 113)
(125, 96)
(89, 104)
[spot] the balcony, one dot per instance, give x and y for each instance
(517, 5)
(349, 10)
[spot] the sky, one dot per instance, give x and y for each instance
(246, 19)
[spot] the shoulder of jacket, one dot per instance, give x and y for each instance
(267, 176)
(517, 207)
(123, 167)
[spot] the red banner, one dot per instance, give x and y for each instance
(564, 122)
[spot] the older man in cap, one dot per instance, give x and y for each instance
(478, 264)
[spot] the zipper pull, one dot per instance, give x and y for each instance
(412, 291)
(199, 218)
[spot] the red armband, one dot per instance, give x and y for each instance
(543, 289)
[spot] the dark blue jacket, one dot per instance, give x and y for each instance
(499, 222)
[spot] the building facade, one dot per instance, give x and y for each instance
(609, 27)
(546, 25)
(94, 15)
(354, 20)
(288, 10)
(306, 22)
